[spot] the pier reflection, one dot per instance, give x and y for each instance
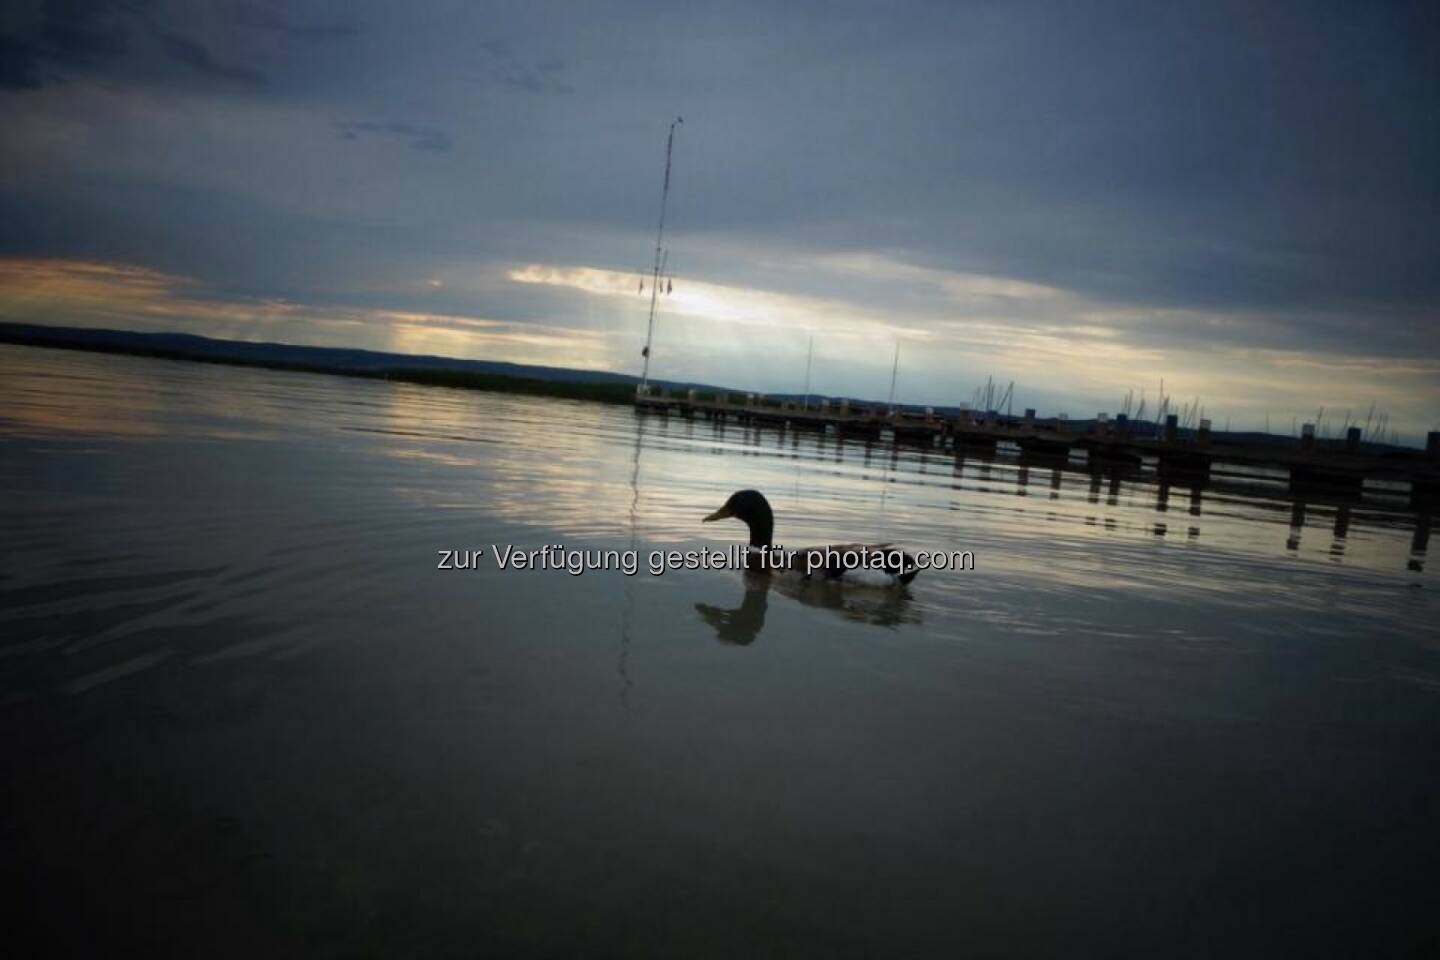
(1342, 527)
(1247, 511)
(1297, 525)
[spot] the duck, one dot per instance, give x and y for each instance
(851, 564)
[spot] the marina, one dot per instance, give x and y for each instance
(1339, 468)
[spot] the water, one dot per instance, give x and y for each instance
(246, 715)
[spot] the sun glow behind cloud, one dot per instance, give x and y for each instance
(722, 304)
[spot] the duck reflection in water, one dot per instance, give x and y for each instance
(742, 625)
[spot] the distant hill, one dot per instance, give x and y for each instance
(336, 359)
(442, 371)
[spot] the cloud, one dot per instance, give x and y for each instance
(197, 57)
(141, 41)
(20, 65)
(417, 137)
(58, 40)
(726, 304)
(45, 40)
(506, 67)
(124, 296)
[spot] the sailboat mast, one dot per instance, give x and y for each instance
(659, 244)
(809, 353)
(894, 370)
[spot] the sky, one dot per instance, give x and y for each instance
(1239, 200)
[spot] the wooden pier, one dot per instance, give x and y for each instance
(1338, 467)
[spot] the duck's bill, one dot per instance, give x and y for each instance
(721, 514)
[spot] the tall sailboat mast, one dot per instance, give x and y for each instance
(659, 257)
(894, 371)
(809, 353)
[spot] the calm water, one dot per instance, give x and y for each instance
(245, 715)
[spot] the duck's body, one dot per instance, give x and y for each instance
(867, 565)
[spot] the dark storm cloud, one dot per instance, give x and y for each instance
(142, 41)
(61, 38)
(1212, 155)
(20, 65)
(47, 40)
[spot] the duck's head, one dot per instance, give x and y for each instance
(752, 507)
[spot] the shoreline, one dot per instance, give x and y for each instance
(66, 338)
(525, 380)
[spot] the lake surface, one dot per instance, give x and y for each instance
(245, 715)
